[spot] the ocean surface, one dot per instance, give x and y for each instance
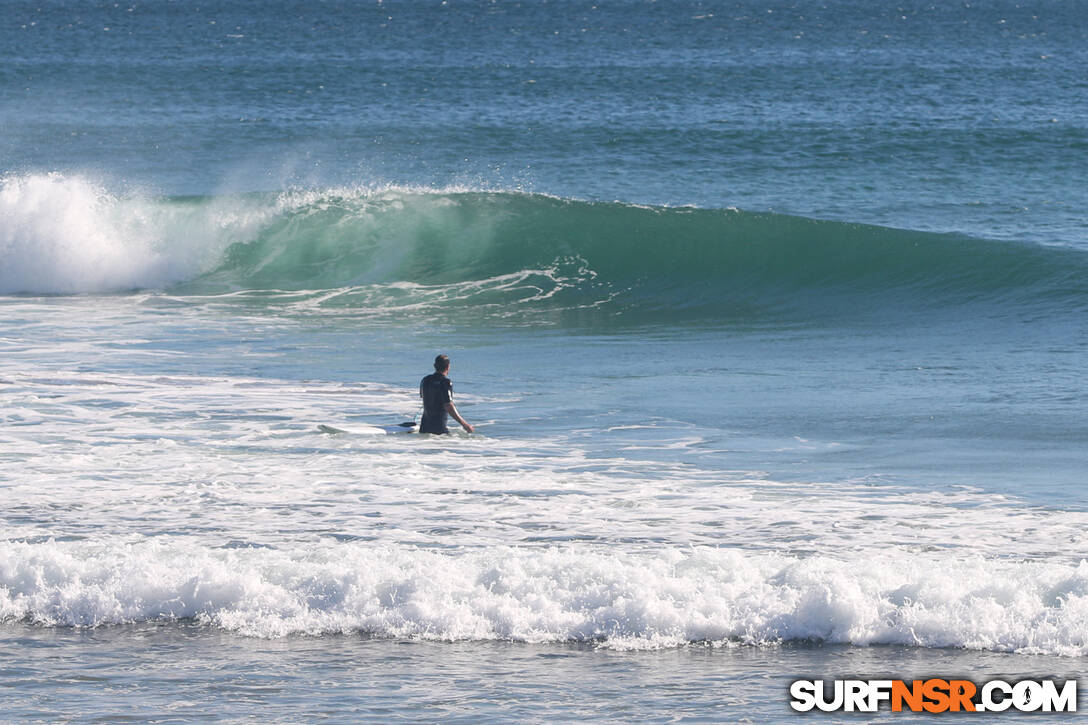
(772, 318)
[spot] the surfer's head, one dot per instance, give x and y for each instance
(442, 363)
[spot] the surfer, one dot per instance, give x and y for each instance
(437, 393)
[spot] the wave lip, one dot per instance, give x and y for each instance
(644, 600)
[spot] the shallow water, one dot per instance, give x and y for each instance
(195, 674)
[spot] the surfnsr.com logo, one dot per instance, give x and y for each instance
(934, 695)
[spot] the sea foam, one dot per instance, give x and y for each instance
(63, 234)
(572, 593)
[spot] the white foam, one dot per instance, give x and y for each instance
(570, 593)
(62, 235)
(170, 450)
(68, 234)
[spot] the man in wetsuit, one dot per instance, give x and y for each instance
(437, 393)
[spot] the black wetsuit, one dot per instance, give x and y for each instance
(436, 390)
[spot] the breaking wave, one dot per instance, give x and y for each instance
(402, 249)
(642, 600)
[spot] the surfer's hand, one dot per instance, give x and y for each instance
(468, 428)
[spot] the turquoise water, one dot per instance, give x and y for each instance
(771, 318)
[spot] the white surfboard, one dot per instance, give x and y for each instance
(368, 430)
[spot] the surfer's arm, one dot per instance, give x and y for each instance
(452, 410)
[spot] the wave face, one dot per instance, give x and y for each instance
(623, 601)
(508, 253)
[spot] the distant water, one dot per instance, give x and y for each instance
(773, 319)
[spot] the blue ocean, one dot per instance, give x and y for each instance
(771, 318)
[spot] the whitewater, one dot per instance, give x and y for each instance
(611, 536)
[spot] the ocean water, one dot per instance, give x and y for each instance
(772, 319)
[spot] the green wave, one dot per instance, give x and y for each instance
(405, 250)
